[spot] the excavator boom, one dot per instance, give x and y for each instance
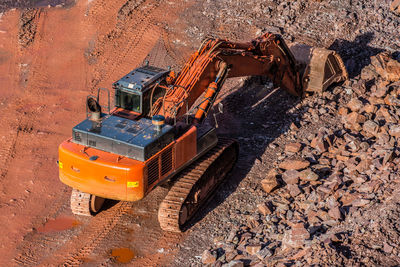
(267, 55)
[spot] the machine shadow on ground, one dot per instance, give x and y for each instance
(254, 114)
(356, 54)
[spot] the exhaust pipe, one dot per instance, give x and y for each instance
(158, 121)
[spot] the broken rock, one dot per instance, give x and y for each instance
(334, 213)
(394, 130)
(294, 164)
(308, 175)
(294, 190)
(371, 127)
(290, 177)
(387, 67)
(354, 118)
(355, 104)
(369, 108)
(264, 209)
(319, 144)
(381, 89)
(235, 263)
(387, 248)
(392, 100)
(295, 237)
(292, 148)
(359, 202)
(264, 253)
(270, 183)
(395, 7)
(253, 249)
(207, 257)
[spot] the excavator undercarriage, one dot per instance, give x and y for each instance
(155, 135)
(196, 184)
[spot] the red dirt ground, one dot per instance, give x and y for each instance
(43, 88)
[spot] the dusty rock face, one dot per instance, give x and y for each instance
(264, 209)
(253, 249)
(308, 175)
(264, 253)
(235, 263)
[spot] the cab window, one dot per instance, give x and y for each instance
(128, 101)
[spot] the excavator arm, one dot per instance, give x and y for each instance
(267, 55)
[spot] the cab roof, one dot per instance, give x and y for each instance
(140, 78)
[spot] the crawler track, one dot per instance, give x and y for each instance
(80, 203)
(195, 185)
(98, 229)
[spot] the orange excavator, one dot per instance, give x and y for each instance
(155, 133)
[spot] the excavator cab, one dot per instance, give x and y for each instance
(133, 91)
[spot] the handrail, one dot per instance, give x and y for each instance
(108, 94)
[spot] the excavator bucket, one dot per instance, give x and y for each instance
(320, 67)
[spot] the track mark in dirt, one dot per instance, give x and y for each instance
(28, 26)
(31, 20)
(56, 250)
(32, 74)
(8, 149)
(7, 153)
(128, 49)
(31, 254)
(178, 59)
(139, 231)
(162, 55)
(98, 229)
(123, 48)
(168, 241)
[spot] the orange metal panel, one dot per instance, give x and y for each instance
(158, 158)
(109, 176)
(186, 147)
(115, 177)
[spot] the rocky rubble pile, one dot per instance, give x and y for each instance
(355, 29)
(322, 196)
(300, 20)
